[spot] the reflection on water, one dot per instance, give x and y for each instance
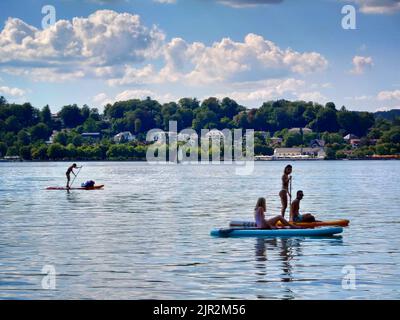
(146, 235)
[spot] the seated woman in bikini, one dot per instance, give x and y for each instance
(262, 223)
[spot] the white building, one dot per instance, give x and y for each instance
(124, 137)
(300, 130)
(299, 153)
(215, 134)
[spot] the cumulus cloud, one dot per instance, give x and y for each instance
(247, 3)
(389, 95)
(105, 38)
(14, 92)
(387, 108)
(227, 60)
(165, 1)
(378, 6)
(359, 98)
(360, 64)
(314, 96)
(366, 6)
(256, 92)
(103, 99)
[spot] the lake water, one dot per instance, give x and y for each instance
(146, 235)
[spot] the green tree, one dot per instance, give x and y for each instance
(56, 151)
(77, 140)
(45, 115)
(12, 151)
(23, 138)
(3, 149)
(120, 151)
(13, 124)
(293, 139)
(40, 132)
(71, 116)
(326, 120)
(61, 138)
(71, 151)
(90, 125)
(25, 153)
(138, 125)
(39, 152)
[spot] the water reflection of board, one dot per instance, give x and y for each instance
(254, 232)
(64, 188)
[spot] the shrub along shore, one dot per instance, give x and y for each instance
(29, 133)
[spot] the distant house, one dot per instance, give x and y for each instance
(317, 143)
(276, 141)
(215, 134)
(264, 134)
(55, 116)
(51, 138)
(299, 153)
(189, 139)
(93, 135)
(300, 130)
(355, 143)
(349, 137)
(12, 158)
(373, 141)
(124, 137)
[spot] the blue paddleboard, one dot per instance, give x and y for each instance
(253, 232)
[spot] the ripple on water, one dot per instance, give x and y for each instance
(146, 235)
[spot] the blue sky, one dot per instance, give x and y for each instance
(102, 51)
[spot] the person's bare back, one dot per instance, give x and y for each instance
(294, 209)
(295, 215)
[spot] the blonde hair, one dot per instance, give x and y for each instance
(261, 203)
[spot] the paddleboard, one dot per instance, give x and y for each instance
(340, 223)
(254, 232)
(64, 188)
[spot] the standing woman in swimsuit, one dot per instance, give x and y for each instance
(69, 171)
(283, 194)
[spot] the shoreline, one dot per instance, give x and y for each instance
(199, 162)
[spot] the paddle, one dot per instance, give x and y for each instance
(75, 177)
(290, 192)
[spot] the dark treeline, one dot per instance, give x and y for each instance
(24, 129)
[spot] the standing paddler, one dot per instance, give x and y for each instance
(285, 192)
(69, 171)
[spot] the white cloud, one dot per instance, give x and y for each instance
(378, 6)
(225, 61)
(165, 1)
(117, 47)
(259, 91)
(387, 108)
(132, 75)
(14, 92)
(360, 64)
(103, 99)
(359, 98)
(105, 38)
(389, 95)
(247, 3)
(46, 74)
(314, 96)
